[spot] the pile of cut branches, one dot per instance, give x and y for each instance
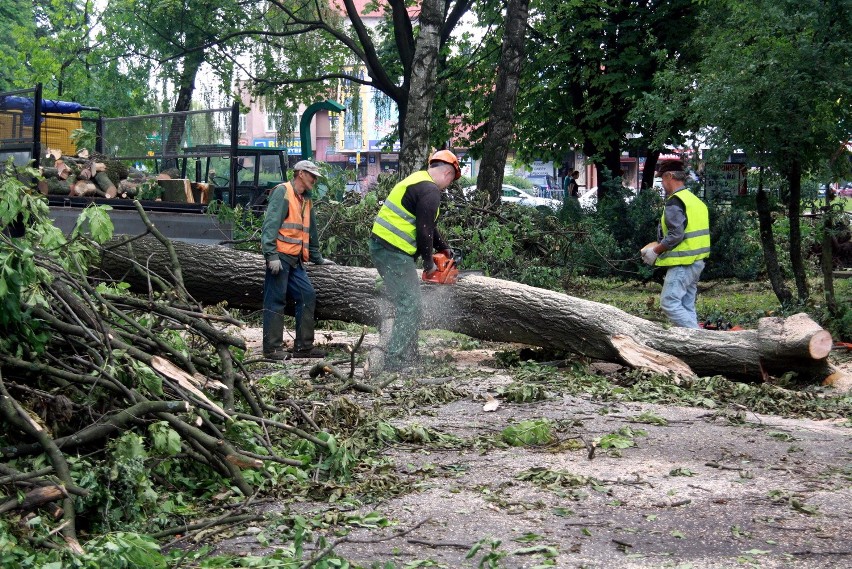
(82, 361)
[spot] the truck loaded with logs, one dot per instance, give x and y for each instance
(175, 164)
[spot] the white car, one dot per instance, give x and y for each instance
(589, 199)
(520, 196)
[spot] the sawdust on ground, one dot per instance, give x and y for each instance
(697, 492)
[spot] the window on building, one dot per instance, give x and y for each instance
(273, 122)
(352, 136)
(242, 123)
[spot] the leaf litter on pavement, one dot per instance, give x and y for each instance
(586, 469)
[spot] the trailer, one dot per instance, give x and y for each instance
(200, 146)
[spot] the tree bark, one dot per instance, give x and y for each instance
(424, 73)
(186, 86)
(767, 242)
(797, 261)
(502, 118)
(34, 498)
(649, 169)
(481, 307)
(827, 256)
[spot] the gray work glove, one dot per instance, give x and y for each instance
(649, 256)
(326, 262)
(274, 266)
(430, 268)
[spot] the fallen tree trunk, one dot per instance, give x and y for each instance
(498, 310)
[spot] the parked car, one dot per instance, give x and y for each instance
(845, 190)
(589, 198)
(520, 196)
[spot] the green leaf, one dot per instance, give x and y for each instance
(100, 224)
(546, 550)
(533, 432)
(152, 381)
(528, 538)
(166, 440)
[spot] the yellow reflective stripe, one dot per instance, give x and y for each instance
(697, 233)
(689, 253)
(298, 226)
(397, 231)
(292, 240)
(400, 212)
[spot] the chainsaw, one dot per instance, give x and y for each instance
(446, 270)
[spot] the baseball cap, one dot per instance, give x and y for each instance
(670, 166)
(307, 166)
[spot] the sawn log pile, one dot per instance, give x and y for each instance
(100, 176)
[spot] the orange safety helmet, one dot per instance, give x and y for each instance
(449, 158)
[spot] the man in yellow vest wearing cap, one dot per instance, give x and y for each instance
(405, 229)
(288, 240)
(683, 236)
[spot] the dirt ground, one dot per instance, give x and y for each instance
(700, 491)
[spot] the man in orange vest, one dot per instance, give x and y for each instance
(288, 240)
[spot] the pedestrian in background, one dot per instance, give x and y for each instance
(567, 180)
(288, 240)
(574, 188)
(683, 242)
(404, 230)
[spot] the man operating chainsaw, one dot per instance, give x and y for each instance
(404, 230)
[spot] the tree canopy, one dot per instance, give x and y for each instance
(593, 62)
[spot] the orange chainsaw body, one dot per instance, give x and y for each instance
(446, 271)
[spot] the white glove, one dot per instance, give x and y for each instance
(649, 256)
(274, 266)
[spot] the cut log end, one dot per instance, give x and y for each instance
(797, 336)
(820, 345)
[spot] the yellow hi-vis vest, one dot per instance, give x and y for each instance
(395, 224)
(696, 236)
(294, 233)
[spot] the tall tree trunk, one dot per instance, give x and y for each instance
(767, 242)
(501, 120)
(424, 73)
(797, 261)
(186, 86)
(649, 168)
(608, 167)
(827, 257)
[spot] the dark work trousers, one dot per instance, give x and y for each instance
(402, 287)
(290, 282)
